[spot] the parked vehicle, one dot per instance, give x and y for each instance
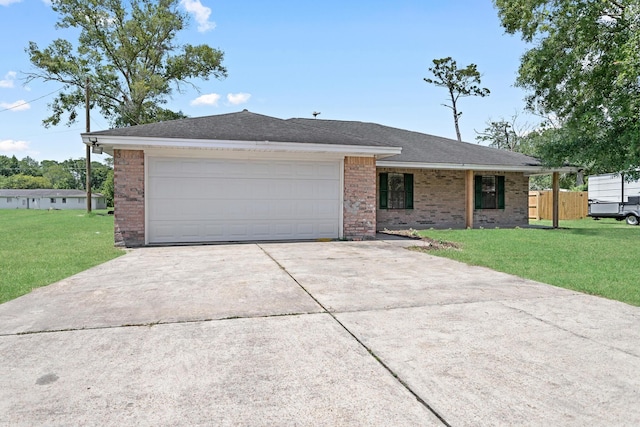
(612, 188)
(628, 211)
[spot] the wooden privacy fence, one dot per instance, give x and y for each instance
(573, 204)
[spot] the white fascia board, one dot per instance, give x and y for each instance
(529, 170)
(126, 142)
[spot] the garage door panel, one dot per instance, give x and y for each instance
(305, 229)
(198, 200)
(283, 209)
(175, 188)
(173, 168)
(326, 191)
(327, 170)
(232, 189)
(213, 231)
(327, 209)
(260, 188)
(304, 209)
(304, 171)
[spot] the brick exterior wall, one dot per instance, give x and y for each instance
(438, 202)
(516, 203)
(359, 221)
(128, 197)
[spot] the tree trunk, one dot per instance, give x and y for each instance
(455, 114)
(455, 121)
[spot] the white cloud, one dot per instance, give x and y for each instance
(238, 98)
(20, 105)
(200, 13)
(208, 99)
(8, 2)
(9, 78)
(9, 145)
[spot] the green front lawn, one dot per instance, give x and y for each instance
(594, 257)
(39, 247)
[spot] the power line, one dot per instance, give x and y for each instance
(28, 102)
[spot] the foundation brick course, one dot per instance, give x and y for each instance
(359, 198)
(438, 201)
(128, 197)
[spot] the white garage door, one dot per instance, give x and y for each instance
(206, 200)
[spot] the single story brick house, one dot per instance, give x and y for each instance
(45, 198)
(249, 177)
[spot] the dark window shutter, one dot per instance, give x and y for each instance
(408, 191)
(384, 190)
(478, 191)
(500, 191)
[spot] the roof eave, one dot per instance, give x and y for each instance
(109, 143)
(526, 169)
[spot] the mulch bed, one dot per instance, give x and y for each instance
(426, 243)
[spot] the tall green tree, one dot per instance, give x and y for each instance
(59, 176)
(506, 134)
(99, 174)
(500, 134)
(584, 68)
(77, 168)
(128, 50)
(24, 181)
(108, 188)
(459, 82)
(29, 166)
(8, 165)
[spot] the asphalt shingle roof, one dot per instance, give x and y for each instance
(424, 148)
(242, 126)
(248, 126)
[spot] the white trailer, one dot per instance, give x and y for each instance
(611, 196)
(612, 188)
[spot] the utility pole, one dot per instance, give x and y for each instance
(88, 147)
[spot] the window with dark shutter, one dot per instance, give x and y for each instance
(500, 191)
(489, 192)
(396, 190)
(384, 190)
(408, 191)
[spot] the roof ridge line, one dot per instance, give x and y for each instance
(335, 132)
(330, 131)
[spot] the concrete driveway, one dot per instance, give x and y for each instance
(339, 333)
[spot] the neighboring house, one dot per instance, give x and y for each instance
(49, 199)
(245, 176)
(612, 188)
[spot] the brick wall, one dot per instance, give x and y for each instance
(128, 197)
(359, 198)
(438, 201)
(516, 203)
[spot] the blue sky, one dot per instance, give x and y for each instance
(351, 60)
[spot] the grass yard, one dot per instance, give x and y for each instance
(594, 257)
(39, 247)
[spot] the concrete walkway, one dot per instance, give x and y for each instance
(338, 333)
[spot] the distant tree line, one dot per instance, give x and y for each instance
(70, 174)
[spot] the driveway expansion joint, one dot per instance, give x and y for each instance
(362, 344)
(569, 331)
(158, 323)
